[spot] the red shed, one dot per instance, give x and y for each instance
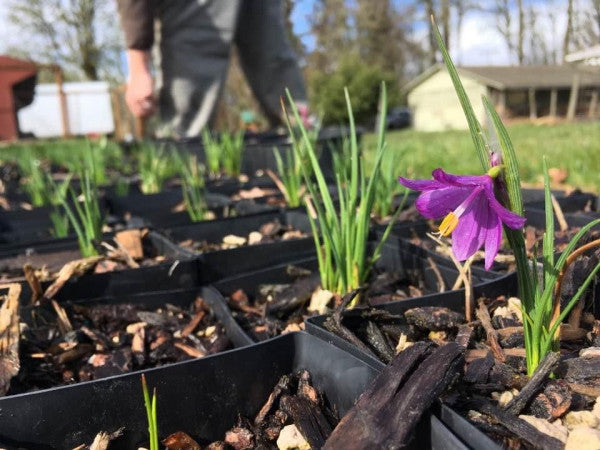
(17, 83)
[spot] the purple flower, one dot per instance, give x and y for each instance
(470, 210)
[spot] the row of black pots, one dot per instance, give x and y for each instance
(181, 268)
(392, 258)
(402, 262)
(184, 269)
(30, 225)
(187, 387)
(134, 210)
(258, 150)
(201, 397)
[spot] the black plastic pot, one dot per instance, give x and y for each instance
(201, 397)
(216, 265)
(159, 298)
(458, 432)
(230, 186)
(22, 226)
(403, 232)
(531, 195)
(455, 300)
(401, 261)
(464, 430)
(573, 207)
(160, 210)
(258, 150)
(180, 271)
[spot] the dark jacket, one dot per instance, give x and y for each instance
(137, 20)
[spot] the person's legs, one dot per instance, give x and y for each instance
(267, 58)
(194, 40)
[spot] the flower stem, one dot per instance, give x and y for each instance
(558, 286)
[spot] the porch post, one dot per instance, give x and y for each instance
(553, 102)
(573, 97)
(532, 105)
(593, 104)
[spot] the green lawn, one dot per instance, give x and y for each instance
(573, 146)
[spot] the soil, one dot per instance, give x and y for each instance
(112, 339)
(269, 232)
(280, 308)
(295, 415)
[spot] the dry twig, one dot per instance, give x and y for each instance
(9, 336)
(483, 315)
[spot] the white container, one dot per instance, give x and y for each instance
(88, 110)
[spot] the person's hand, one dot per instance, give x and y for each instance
(140, 87)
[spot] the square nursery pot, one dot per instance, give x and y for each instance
(402, 233)
(179, 271)
(579, 209)
(464, 431)
(201, 397)
(218, 264)
(456, 432)
(454, 300)
(405, 263)
(531, 195)
(24, 226)
(113, 316)
(163, 209)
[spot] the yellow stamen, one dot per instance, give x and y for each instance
(448, 224)
(495, 171)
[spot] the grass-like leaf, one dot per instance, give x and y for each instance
(150, 406)
(474, 125)
(341, 229)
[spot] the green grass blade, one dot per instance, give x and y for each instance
(474, 125)
(509, 160)
(548, 240)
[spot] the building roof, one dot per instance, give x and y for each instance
(590, 55)
(518, 77)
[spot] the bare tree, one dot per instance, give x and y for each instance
(445, 20)
(80, 35)
(432, 49)
(596, 4)
(539, 52)
(552, 19)
(568, 30)
(329, 26)
(461, 8)
(521, 33)
(504, 23)
(585, 27)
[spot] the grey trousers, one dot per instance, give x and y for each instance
(193, 43)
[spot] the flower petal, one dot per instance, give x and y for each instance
(470, 233)
(493, 238)
(511, 219)
(461, 180)
(437, 203)
(420, 185)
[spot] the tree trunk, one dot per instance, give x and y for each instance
(430, 11)
(445, 18)
(568, 31)
(521, 36)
